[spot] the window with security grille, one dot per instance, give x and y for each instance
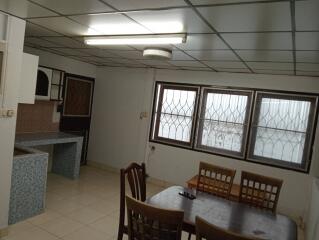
(175, 113)
(223, 121)
(282, 129)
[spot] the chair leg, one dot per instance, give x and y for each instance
(120, 234)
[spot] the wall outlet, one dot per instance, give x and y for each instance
(6, 113)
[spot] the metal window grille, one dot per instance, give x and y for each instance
(280, 132)
(282, 129)
(223, 121)
(175, 113)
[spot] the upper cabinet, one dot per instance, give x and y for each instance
(28, 82)
(49, 84)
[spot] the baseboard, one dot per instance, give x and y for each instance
(103, 166)
(4, 232)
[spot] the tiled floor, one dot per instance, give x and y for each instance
(84, 209)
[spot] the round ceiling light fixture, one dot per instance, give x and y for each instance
(157, 53)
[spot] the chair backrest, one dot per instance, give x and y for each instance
(205, 230)
(136, 177)
(260, 191)
(215, 180)
(149, 223)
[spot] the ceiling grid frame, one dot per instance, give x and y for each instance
(293, 32)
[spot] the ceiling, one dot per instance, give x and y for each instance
(250, 36)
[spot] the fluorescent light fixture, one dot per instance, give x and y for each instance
(137, 39)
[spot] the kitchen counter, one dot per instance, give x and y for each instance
(37, 139)
(66, 154)
(28, 183)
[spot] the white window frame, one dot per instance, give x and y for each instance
(202, 107)
(311, 127)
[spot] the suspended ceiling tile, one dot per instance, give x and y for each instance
(221, 55)
(260, 55)
(275, 72)
(233, 70)
(179, 55)
(34, 30)
(142, 47)
(51, 50)
(128, 54)
(202, 42)
(40, 42)
(311, 67)
(92, 58)
(197, 68)
(99, 52)
(71, 52)
(271, 41)
(307, 40)
(307, 15)
(150, 62)
(307, 56)
(304, 73)
(187, 63)
(144, 4)
(110, 24)
(270, 66)
(249, 17)
(113, 65)
(171, 21)
(75, 7)
(24, 9)
(66, 42)
(227, 64)
(205, 2)
(63, 25)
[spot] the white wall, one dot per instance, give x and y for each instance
(312, 228)
(118, 136)
(7, 125)
(117, 133)
(62, 63)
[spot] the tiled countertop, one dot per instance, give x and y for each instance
(37, 139)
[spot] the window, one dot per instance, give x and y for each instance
(268, 127)
(223, 121)
(175, 113)
(282, 129)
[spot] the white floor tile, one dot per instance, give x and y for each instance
(86, 233)
(61, 226)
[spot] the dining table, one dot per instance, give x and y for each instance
(228, 215)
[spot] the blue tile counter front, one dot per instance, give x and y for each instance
(66, 154)
(28, 184)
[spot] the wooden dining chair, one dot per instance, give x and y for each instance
(205, 230)
(135, 175)
(146, 222)
(259, 191)
(215, 180)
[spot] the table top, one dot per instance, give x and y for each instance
(229, 215)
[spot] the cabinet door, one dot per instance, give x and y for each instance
(28, 81)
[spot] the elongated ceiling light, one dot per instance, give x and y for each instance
(137, 39)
